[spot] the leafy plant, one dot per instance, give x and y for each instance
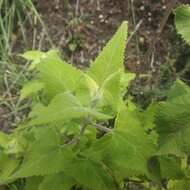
(83, 134)
(182, 21)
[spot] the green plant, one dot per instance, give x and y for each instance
(82, 134)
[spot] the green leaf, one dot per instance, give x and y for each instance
(45, 155)
(31, 88)
(57, 76)
(125, 151)
(87, 90)
(126, 78)
(59, 181)
(182, 22)
(110, 92)
(173, 126)
(4, 139)
(179, 88)
(63, 107)
(33, 55)
(170, 167)
(179, 184)
(91, 174)
(7, 167)
(32, 183)
(111, 58)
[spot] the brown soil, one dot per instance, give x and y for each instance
(81, 30)
(87, 27)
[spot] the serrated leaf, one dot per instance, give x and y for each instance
(63, 107)
(127, 116)
(91, 174)
(182, 22)
(173, 126)
(125, 151)
(57, 76)
(111, 58)
(31, 88)
(87, 90)
(44, 155)
(59, 181)
(179, 88)
(110, 91)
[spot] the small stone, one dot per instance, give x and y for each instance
(141, 40)
(100, 16)
(92, 22)
(142, 8)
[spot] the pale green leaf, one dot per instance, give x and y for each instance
(31, 88)
(7, 167)
(111, 59)
(87, 90)
(57, 76)
(33, 55)
(4, 139)
(126, 78)
(63, 107)
(111, 91)
(44, 155)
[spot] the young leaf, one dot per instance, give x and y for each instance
(4, 139)
(111, 58)
(31, 89)
(182, 22)
(7, 167)
(57, 76)
(87, 90)
(44, 155)
(111, 91)
(33, 55)
(63, 107)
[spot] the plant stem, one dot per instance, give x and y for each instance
(102, 128)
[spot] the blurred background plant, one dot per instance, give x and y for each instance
(15, 17)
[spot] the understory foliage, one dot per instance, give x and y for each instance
(81, 133)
